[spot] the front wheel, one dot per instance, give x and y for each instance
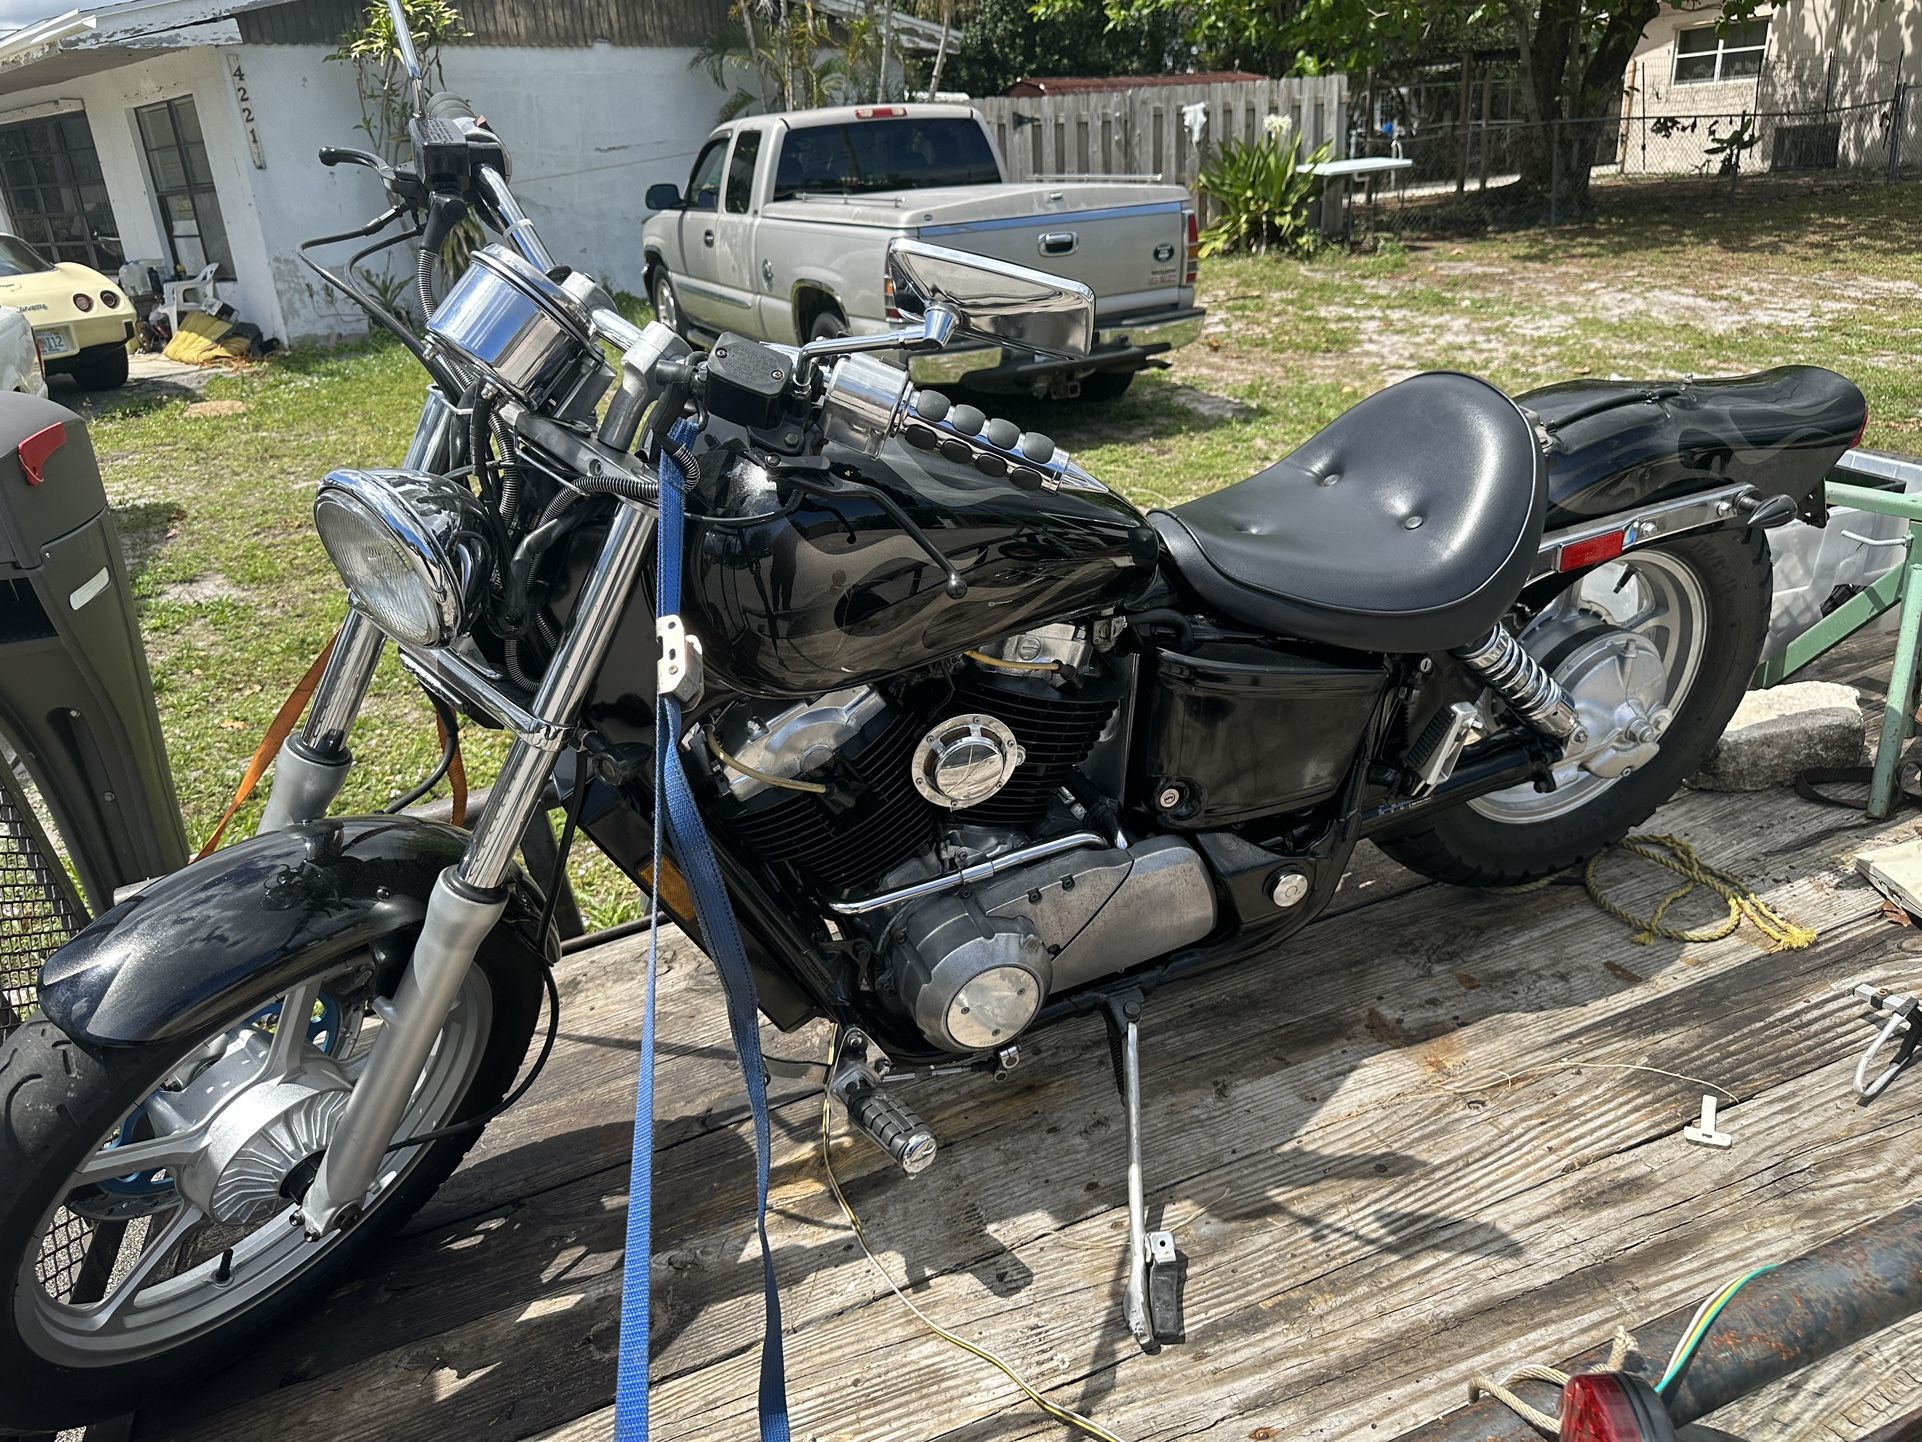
(145, 1208)
(1660, 646)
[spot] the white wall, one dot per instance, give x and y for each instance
(588, 131)
(110, 98)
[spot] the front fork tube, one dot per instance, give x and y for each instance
(469, 897)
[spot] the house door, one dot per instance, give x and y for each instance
(56, 199)
(183, 182)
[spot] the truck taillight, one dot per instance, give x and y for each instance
(1194, 247)
(890, 309)
(879, 112)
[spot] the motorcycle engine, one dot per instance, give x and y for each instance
(870, 791)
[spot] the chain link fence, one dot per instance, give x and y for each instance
(1461, 179)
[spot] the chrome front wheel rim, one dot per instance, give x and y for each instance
(177, 1273)
(1654, 596)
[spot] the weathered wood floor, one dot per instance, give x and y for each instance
(1367, 1220)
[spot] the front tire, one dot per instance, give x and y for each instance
(70, 1357)
(667, 302)
(1510, 838)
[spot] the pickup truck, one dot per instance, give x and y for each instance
(783, 230)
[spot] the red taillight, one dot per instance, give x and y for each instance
(1194, 248)
(1862, 431)
(879, 112)
(35, 449)
(82, 302)
(110, 299)
(1577, 554)
(1613, 1407)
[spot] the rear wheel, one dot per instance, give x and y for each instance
(1659, 647)
(1106, 385)
(144, 1219)
(828, 325)
(102, 367)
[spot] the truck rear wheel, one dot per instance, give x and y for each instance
(1107, 385)
(828, 325)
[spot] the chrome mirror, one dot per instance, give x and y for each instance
(991, 299)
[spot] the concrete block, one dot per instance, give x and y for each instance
(1783, 730)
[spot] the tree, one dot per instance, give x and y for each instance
(1003, 41)
(1574, 57)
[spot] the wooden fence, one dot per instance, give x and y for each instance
(1144, 132)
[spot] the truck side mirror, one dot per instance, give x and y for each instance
(664, 195)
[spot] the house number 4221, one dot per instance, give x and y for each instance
(243, 97)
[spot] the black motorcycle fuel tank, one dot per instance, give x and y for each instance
(821, 592)
(1620, 444)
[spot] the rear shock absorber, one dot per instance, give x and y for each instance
(1518, 678)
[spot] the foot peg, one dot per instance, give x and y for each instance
(887, 1121)
(1448, 733)
(1152, 1302)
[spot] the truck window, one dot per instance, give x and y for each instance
(740, 172)
(867, 155)
(704, 181)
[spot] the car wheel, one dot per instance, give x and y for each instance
(828, 325)
(1107, 385)
(667, 304)
(102, 367)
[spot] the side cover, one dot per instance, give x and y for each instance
(236, 929)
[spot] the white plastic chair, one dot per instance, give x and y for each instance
(193, 294)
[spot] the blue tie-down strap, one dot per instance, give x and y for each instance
(687, 836)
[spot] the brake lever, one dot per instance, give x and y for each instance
(403, 186)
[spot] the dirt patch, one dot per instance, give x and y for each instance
(200, 591)
(1207, 403)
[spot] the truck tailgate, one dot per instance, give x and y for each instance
(1127, 243)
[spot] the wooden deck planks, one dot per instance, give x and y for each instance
(1360, 1178)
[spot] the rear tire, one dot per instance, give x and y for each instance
(102, 367)
(1468, 848)
(1107, 385)
(828, 325)
(60, 1098)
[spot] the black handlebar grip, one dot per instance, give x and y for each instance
(893, 1127)
(446, 105)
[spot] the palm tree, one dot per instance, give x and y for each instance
(941, 50)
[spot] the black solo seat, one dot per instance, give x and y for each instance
(1408, 524)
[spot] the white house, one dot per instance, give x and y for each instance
(184, 131)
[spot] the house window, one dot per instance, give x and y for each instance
(56, 200)
(1707, 53)
(183, 183)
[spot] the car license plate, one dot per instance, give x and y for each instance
(54, 342)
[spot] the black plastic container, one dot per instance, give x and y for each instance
(1243, 731)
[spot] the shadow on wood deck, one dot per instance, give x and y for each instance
(1371, 1214)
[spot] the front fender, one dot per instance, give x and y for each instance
(236, 930)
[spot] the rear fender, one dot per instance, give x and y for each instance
(234, 931)
(1617, 445)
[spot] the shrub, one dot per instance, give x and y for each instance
(1263, 192)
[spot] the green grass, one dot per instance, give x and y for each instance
(236, 596)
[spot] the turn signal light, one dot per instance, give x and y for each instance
(82, 302)
(1613, 1407)
(889, 308)
(110, 299)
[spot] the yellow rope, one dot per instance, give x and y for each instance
(1679, 857)
(1067, 1416)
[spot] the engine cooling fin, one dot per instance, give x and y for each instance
(835, 841)
(1056, 726)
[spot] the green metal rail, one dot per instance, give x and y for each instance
(1902, 586)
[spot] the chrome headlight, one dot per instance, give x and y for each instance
(413, 549)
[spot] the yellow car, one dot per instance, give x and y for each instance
(81, 321)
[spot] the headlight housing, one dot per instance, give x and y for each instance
(413, 549)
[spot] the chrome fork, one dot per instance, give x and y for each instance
(469, 897)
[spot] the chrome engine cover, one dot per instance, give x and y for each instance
(796, 740)
(964, 760)
(974, 969)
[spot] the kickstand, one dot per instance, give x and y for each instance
(1152, 1302)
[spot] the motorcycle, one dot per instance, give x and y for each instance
(978, 745)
